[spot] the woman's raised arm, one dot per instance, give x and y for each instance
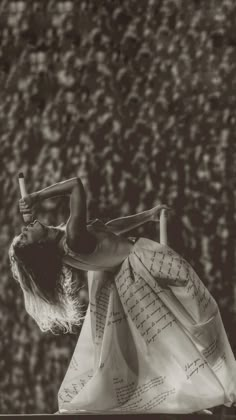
(54, 190)
(77, 236)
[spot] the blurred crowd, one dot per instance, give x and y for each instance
(137, 98)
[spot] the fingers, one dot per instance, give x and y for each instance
(168, 208)
(23, 205)
(26, 211)
(22, 202)
(24, 208)
(25, 202)
(164, 207)
(165, 211)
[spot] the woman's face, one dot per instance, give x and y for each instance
(33, 232)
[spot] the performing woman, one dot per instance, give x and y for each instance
(152, 339)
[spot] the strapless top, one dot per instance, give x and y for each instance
(111, 250)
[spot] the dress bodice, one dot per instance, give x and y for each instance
(111, 250)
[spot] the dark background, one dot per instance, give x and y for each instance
(138, 98)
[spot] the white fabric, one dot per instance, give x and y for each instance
(153, 340)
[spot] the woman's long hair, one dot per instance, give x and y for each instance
(51, 295)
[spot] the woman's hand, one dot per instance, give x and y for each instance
(27, 203)
(156, 211)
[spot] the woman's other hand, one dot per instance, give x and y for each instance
(156, 211)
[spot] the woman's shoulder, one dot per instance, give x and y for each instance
(95, 228)
(86, 243)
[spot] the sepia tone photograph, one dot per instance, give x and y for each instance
(117, 154)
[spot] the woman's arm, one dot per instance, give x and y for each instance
(56, 190)
(125, 224)
(77, 236)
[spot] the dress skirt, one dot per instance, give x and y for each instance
(152, 341)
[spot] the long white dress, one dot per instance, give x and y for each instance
(152, 340)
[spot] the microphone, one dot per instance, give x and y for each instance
(26, 216)
(163, 227)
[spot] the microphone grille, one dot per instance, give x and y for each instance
(21, 175)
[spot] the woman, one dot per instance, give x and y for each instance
(152, 339)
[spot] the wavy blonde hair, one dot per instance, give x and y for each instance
(58, 313)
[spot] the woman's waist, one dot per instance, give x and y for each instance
(114, 253)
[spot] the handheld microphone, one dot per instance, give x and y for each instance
(26, 216)
(163, 227)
